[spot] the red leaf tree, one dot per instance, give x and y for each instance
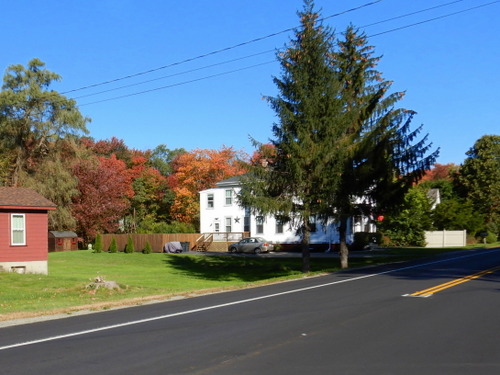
(104, 186)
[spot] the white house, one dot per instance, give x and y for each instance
(221, 215)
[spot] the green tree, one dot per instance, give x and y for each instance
(32, 117)
(384, 156)
(456, 214)
(162, 157)
(147, 248)
(98, 243)
(113, 246)
(308, 137)
(479, 179)
(53, 178)
(407, 227)
(130, 247)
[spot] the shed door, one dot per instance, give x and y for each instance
(67, 244)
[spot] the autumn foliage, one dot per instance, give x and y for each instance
(104, 192)
(198, 170)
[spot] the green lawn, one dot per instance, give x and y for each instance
(143, 277)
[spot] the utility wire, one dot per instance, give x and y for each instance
(412, 13)
(175, 74)
(434, 19)
(268, 62)
(213, 52)
(179, 84)
(260, 53)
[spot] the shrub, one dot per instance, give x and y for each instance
(130, 248)
(98, 243)
(147, 249)
(113, 246)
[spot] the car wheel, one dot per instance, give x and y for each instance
(232, 249)
(258, 250)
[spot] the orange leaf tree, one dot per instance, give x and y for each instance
(198, 170)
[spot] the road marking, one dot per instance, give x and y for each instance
(438, 288)
(187, 312)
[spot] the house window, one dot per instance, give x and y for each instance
(229, 197)
(279, 226)
(217, 227)
(259, 220)
(246, 220)
(18, 230)
(210, 201)
(228, 225)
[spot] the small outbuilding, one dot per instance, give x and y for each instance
(63, 240)
(23, 230)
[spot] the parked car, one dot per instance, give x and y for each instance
(254, 245)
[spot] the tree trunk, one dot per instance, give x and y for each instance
(306, 257)
(344, 251)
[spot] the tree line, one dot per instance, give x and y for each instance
(341, 147)
(99, 186)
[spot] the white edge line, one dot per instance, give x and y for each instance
(147, 320)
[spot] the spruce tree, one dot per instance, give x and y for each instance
(384, 157)
(308, 137)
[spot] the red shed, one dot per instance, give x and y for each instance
(23, 228)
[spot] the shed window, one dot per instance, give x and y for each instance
(18, 230)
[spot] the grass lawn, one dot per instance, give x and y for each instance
(154, 276)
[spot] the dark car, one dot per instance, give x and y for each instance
(253, 245)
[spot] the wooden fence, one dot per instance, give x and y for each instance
(156, 240)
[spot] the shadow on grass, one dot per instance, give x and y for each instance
(227, 268)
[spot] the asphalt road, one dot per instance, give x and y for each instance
(368, 321)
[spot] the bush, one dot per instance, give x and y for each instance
(113, 246)
(98, 243)
(147, 249)
(130, 248)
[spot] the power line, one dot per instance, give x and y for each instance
(179, 84)
(253, 55)
(174, 75)
(214, 52)
(434, 19)
(268, 62)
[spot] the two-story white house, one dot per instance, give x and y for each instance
(221, 215)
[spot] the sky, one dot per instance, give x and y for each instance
(193, 74)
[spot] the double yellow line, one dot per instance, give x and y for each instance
(430, 291)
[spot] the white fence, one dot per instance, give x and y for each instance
(446, 238)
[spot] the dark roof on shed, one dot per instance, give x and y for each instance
(63, 233)
(17, 197)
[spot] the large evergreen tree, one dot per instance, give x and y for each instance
(384, 157)
(308, 137)
(32, 117)
(341, 146)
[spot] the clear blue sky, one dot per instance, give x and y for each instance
(449, 67)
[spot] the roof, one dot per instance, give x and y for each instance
(63, 233)
(19, 198)
(232, 181)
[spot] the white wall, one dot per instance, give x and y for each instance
(38, 266)
(446, 238)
